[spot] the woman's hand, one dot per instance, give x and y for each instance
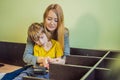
(58, 61)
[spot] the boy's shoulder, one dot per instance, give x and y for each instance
(54, 42)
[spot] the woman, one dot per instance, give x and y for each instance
(53, 22)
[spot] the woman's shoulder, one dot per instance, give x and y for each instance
(66, 31)
(29, 41)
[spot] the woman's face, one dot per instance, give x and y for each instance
(51, 21)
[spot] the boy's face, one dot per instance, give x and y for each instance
(42, 39)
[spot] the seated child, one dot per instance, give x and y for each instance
(47, 49)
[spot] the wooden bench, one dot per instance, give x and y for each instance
(82, 64)
(75, 72)
(97, 66)
(12, 53)
(67, 71)
(11, 56)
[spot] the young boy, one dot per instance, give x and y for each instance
(45, 49)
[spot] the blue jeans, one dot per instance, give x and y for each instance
(12, 75)
(29, 72)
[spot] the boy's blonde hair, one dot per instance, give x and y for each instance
(35, 30)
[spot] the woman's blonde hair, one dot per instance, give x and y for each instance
(59, 32)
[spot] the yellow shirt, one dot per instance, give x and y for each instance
(54, 52)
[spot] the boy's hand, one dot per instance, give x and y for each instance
(46, 62)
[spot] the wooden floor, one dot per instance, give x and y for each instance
(8, 68)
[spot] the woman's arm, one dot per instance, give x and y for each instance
(28, 53)
(66, 43)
